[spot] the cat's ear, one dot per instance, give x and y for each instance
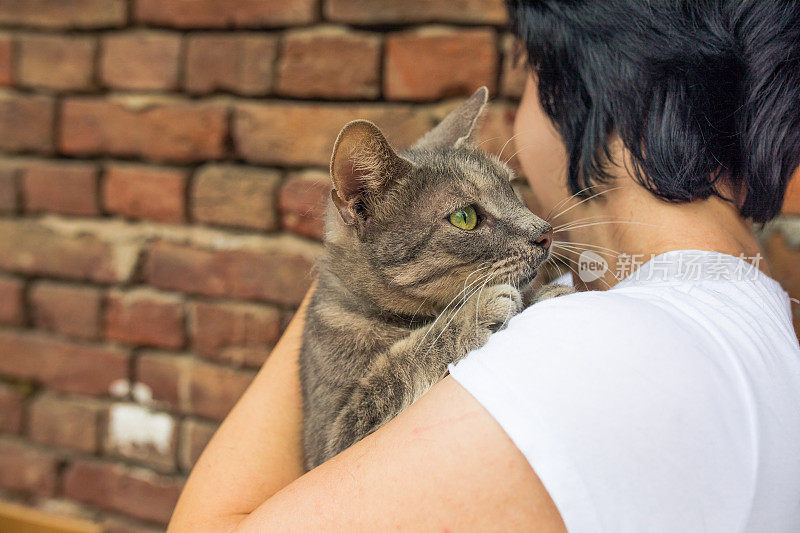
(362, 165)
(458, 127)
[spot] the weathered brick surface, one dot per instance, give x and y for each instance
(62, 14)
(349, 68)
(61, 365)
(145, 318)
(26, 123)
(235, 13)
(63, 187)
(213, 390)
(241, 334)
(233, 195)
(240, 64)
(29, 247)
(6, 60)
(64, 423)
(9, 189)
(433, 63)
(371, 12)
(27, 470)
(195, 436)
(145, 192)
(151, 128)
(12, 305)
(64, 308)
(189, 386)
(269, 133)
(56, 61)
(140, 60)
(275, 270)
(135, 492)
(12, 400)
(303, 202)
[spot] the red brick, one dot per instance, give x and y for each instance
(167, 377)
(434, 63)
(269, 133)
(349, 68)
(26, 123)
(60, 14)
(233, 195)
(56, 61)
(30, 247)
(135, 432)
(144, 317)
(195, 435)
(134, 492)
(9, 193)
(140, 59)
(64, 423)
(60, 187)
(791, 203)
(237, 333)
(515, 70)
(12, 307)
(145, 192)
(27, 470)
(61, 365)
(186, 385)
(162, 129)
(371, 12)
(231, 13)
(6, 60)
(68, 309)
(275, 270)
(11, 402)
(214, 390)
(238, 63)
(303, 201)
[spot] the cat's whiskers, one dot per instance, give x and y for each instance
(567, 199)
(578, 267)
(595, 195)
(573, 228)
(568, 246)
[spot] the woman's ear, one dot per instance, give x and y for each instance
(363, 164)
(458, 127)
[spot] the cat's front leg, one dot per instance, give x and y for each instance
(415, 363)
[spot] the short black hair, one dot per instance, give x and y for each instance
(699, 91)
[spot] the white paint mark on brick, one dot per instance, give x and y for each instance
(135, 427)
(142, 393)
(119, 388)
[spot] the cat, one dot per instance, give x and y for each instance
(424, 256)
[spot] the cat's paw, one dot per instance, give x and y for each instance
(552, 291)
(494, 306)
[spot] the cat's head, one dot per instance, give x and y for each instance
(430, 221)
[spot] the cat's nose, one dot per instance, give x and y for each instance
(545, 240)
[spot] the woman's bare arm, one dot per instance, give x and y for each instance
(257, 449)
(443, 463)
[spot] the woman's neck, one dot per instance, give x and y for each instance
(626, 225)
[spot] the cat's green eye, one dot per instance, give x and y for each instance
(465, 218)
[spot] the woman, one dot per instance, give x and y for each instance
(670, 402)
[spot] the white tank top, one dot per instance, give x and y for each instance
(669, 403)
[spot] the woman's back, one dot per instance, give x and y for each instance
(669, 403)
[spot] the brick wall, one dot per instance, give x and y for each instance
(162, 174)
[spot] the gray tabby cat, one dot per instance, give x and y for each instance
(409, 238)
